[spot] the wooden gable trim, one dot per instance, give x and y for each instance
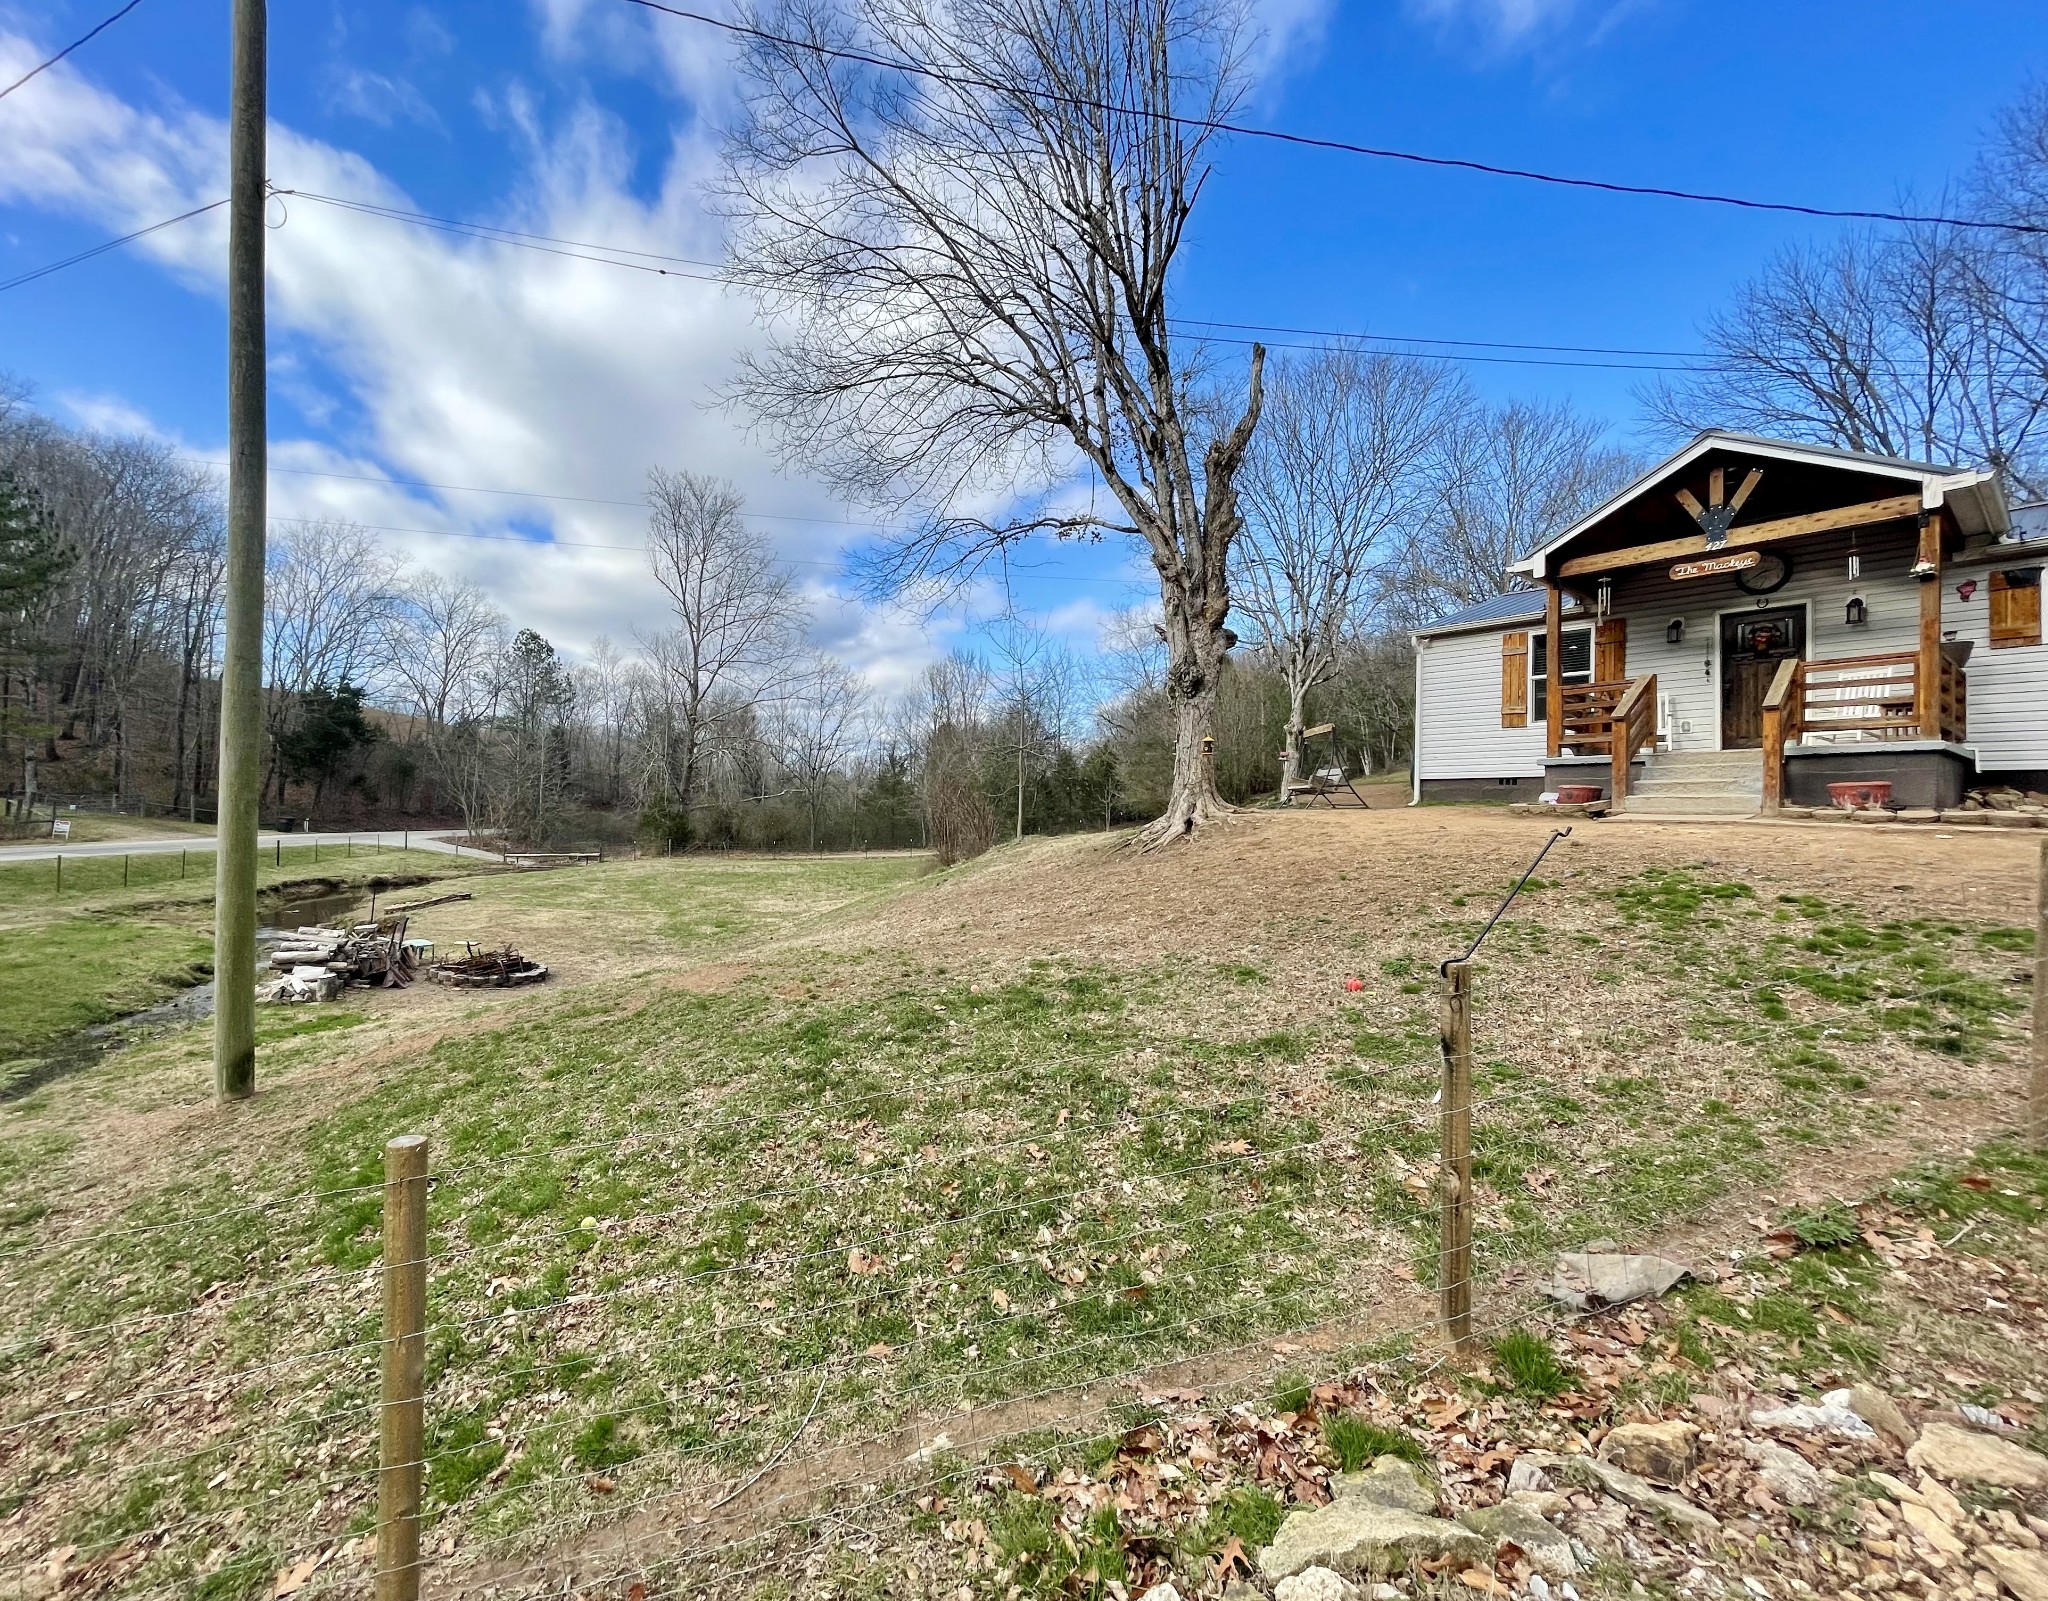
(1818, 522)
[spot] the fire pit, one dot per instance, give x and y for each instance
(1865, 795)
(477, 969)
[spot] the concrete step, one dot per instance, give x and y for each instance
(1710, 760)
(1683, 786)
(1716, 805)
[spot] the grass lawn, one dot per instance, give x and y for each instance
(819, 1147)
(64, 976)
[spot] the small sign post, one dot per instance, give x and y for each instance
(60, 828)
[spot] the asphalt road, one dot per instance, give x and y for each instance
(43, 850)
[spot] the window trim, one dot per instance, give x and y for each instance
(1539, 683)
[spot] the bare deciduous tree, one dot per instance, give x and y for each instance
(818, 730)
(738, 618)
(1506, 479)
(1340, 470)
(970, 276)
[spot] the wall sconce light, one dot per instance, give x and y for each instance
(1857, 614)
(1674, 631)
(1966, 589)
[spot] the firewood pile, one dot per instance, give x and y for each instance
(478, 968)
(316, 964)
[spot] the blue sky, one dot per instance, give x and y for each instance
(399, 351)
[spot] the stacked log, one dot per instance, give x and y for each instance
(477, 968)
(317, 963)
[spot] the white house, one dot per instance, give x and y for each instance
(1745, 624)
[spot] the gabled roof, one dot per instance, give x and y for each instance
(1496, 611)
(1972, 494)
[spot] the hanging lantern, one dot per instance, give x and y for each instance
(1857, 614)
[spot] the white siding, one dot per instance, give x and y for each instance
(2008, 704)
(1457, 688)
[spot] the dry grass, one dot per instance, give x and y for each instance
(1123, 1053)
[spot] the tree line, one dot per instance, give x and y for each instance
(973, 289)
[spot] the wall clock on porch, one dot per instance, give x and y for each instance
(1771, 574)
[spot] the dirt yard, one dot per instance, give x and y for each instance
(808, 1163)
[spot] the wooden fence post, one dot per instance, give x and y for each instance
(2037, 1089)
(60, 872)
(403, 1433)
(1454, 1270)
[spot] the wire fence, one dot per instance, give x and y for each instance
(771, 1338)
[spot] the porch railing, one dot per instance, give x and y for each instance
(1617, 718)
(1857, 699)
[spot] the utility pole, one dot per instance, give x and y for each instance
(241, 678)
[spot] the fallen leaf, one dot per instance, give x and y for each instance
(1228, 1560)
(602, 1485)
(1022, 1477)
(293, 1579)
(860, 1263)
(1482, 1581)
(1231, 1148)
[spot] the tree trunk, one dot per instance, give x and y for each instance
(1193, 681)
(1290, 772)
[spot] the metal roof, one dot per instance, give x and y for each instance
(1517, 606)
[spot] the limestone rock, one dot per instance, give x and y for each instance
(1882, 1413)
(1924, 1521)
(1950, 1452)
(1548, 1547)
(1829, 1417)
(1162, 1592)
(1659, 1451)
(1390, 1481)
(1315, 1584)
(1526, 1475)
(1787, 1474)
(1587, 1280)
(1544, 1503)
(2024, 1573)
(1632, 1490)
(1356, 1536)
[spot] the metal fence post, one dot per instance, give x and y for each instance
(2037, 1089)
(403, 1432)
(125, 859)
(1454, 1272)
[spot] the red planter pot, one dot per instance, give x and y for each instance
(1873, 794)
(1577, 794)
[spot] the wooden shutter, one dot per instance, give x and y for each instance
(1610, 650)
(2015, 608)
(1514, 679)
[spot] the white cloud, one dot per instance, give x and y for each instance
(1505, 25)
(443, 358)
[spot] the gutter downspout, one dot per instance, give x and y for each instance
(1415, 739)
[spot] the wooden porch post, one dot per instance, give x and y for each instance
(1927, 671)
(1553, 667)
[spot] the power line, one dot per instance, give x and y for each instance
(1346, 147)
(103, 248)
(75, 43)
(549, 244)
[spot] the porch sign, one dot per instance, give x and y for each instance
(1737, 562)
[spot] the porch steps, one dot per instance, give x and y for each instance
(1711, 783)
